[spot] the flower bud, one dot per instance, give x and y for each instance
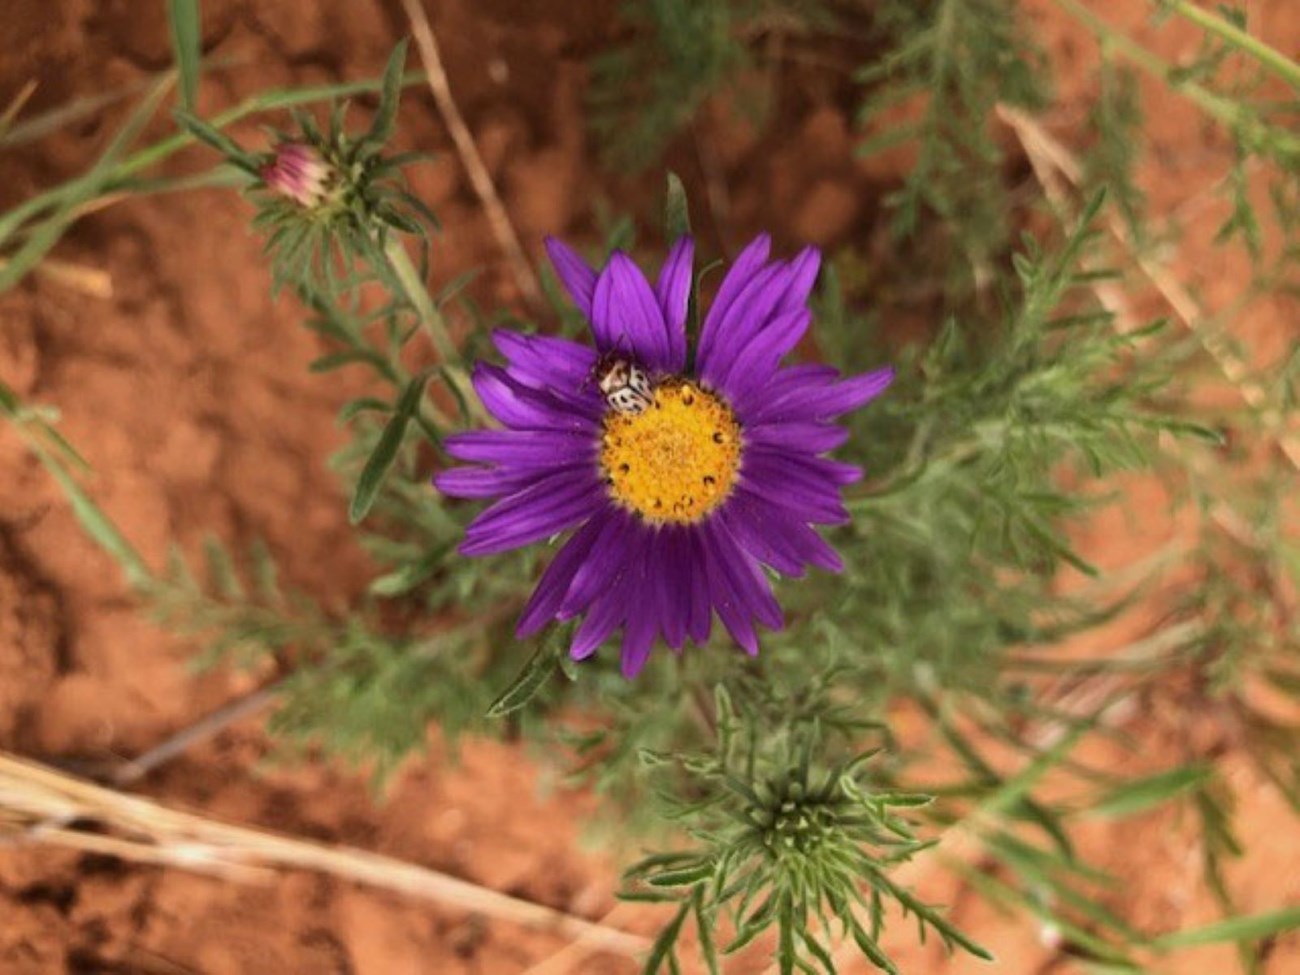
(297, 171)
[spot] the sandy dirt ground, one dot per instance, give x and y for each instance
(187, 390)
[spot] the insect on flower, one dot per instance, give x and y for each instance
(625, 385)
(678, 485)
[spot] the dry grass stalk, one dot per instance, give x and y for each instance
(75, 277)
(41, 805)
(467, 149)
(1049, 158)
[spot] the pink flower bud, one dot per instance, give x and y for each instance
(298, 172)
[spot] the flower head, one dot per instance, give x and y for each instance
(297, 170)
(679, 484)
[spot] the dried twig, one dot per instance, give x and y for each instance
(1052, 164)
(202, 730)
(502, 228)
(577, 951)
(39, 804)
(75, 277)
(1050, 157)
(16, 105)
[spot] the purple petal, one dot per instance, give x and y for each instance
(810, 438)
(523, 407)
(776, 536)
(805, 467)
(812, 548)
(803, 274)
(753, 366)
(618, 592)
(754, 406)
(639, 633)
(672, 601)
(746, 265)
(555, 580)
(730, 605)
(543, 360)
(576, 274)
(605, 614)
(746, 316)
(492, 482)
(695, 581)
(747, 579)
(820, 401)
(626, 317)
(606, 564)
(771, 292)
(552, 505)
(780, 480)
(757, 537)
(673, 291)
(514, 448)
(559, 366)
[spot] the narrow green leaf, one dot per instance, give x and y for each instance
(1253, 927)
(9, 401)
(221, 570)
(403, 580)
(648, 896)
(366, 404)
(1184, 428)
(44, 236)
(525, 687)
(97, 524)
(708, 950)
(665, 942)
(187, 42)
(656, 860)
(677, 214)
(390, 441)
(688, 877)
(1150, 791)
(381, 128)
(817, 951)
(785, 955)
(218, 140)
(264, 572)
(335, 360)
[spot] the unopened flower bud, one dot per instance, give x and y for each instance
(298, 172)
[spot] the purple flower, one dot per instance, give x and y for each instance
(297, 171)
(678, 485)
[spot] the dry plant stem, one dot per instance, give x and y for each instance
(1052, 162)
(75, 277)
(1047, 154)
(202, 730)
(16, 105)
(45, 801)
(502, 228)
(562, 962)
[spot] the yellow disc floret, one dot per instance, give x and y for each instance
(675, 461)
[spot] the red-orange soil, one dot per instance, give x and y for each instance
(188, 393)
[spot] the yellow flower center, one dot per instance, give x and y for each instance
(675, 461)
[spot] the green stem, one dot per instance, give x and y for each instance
(1271, 58)
(1254, 131)
(431, 320)
(164, 148)
(95, 522)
